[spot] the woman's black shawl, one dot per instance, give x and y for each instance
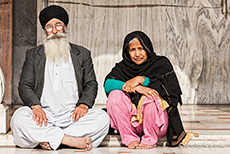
(157, 68)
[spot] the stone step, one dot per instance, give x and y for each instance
(201, 141)
(7, 139)
(115, 141)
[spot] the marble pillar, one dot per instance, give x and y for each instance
(4, 110)
(5, 63)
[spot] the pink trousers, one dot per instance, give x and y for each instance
(155, 121)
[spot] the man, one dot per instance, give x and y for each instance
(58, 88)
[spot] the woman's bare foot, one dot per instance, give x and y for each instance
(45, 145)
(78, 142)
(144, 146)
(133, 145)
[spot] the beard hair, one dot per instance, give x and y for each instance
(57, 47)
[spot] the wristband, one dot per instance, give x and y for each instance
(36, 107)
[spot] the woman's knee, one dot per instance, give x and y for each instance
(115, 97)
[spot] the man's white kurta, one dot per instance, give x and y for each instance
(59, 98)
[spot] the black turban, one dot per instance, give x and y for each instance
(53, 11)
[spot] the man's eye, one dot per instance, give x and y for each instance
(49, 26)
(58, 24)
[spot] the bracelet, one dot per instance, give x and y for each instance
(142, 82)
(36, 107)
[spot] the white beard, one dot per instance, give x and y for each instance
(57, 48)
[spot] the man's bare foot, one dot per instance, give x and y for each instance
(45, 145)
(133, 145)
(144, 146)
(78, 142)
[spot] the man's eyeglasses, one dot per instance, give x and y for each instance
(58, 26)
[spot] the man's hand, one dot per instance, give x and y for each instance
(39, 115)
(79, 111)
(146, 91)
(132, 83)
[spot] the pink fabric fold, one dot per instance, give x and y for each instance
(121, 110)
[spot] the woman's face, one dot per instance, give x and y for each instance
(137, 52)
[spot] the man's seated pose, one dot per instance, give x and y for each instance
(58, 88)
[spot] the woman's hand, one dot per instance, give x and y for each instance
(79, 111)
(146, 91)
(132, 83)
(39, 115)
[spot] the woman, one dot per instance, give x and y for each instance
(143, 93)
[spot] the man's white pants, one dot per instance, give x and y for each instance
(27, 134)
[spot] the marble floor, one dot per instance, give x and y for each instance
(120, 150)
(212, 122)
(206, 117)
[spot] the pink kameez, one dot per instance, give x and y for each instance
(120, 110)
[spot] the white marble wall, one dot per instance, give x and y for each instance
(193, 34)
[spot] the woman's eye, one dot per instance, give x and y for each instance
(132, 49)
(140, 48)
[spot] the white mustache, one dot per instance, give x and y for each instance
(58, 35)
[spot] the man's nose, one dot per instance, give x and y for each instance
(54, 30)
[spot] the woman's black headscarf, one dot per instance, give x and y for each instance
(157, 68)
